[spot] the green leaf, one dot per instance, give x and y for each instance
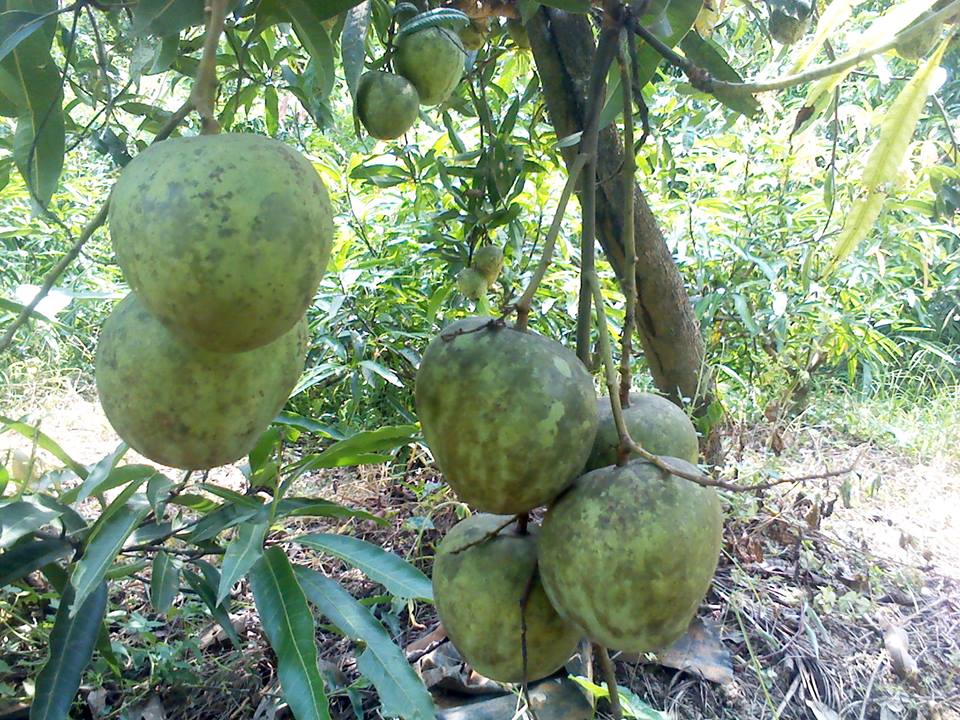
(29, 556)
(30, 79)
(19, 518)
(401, 690)
(102, 547)
(332, 8)
(43, 442)
(166, 17)
(224, 517)
(880, 174)
(353, 44)
(289, 626)
(98, 474)
(369, 366)
(570, 6)
(393, 572)
(318, 507)
(242, 552)
(743, 309)
(348, 451)
(16, 26)
(206, 587)
(830, 19)
(314, 37)
(675, 23)
(704, 53)
(271, 111)
(164, 581)
(72, 640)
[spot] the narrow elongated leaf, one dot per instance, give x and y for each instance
(224, 517)
(102, 547)
(28, 556)
(206, 589)
(401, 690)
(674, 24)
(72, 641)
(289, 626)
(833, 17)
(880, 174)
(45, 442)
(353, 43)
(393, 572)
(332, 8)
(358, 445)
(164, 581)
(16, 26)
(19, 518)
(317, 507)
(98, 474)
(166, 17)
(242, 552)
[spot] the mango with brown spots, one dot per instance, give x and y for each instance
(628, 553)
(477, 589)
(509, 416)
(223, 237)
(183, 406)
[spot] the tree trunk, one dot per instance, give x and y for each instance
(563, 48)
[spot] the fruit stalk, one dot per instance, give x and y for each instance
(629, 239)
(606, 50)
(610, 677)
(526, 300)
(205, 84)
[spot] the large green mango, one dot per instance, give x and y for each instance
(387, 104)
(432, 59)
(223, 237)
(183, 406)
(510, 416)
(653, 422)
(628, 553)
(478, 591)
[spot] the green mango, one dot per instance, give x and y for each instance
(653, 422)
(432, 59)
(471, 284)
(478, 591)
(183, 406)
(223, 237)
(488, 261)
(627, 554)
(387, 104)
(510, 416)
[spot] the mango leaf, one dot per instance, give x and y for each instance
(19, 518)
(331, 8)
(16, 26)
(30, 79)
(345, 452)
(224, 517)
(353, 44)
(393, 572)
(164, 581)
(570, 6)
(673, 24)
(102, 547)
(72, 640)
(43, 442)
(97, 475)
(289, 627)
(242, 552)
(318, 507)
(28, 556)
(206, 587)
(836, 13)
(880, 174)
(166, 17)
(704, 53)
(401, 690)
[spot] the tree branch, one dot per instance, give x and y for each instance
(629, 238)
(205, 85)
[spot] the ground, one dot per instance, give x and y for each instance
(835, 598)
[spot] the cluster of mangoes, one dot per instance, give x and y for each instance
(429, 65)
(625, 553)
(223, 240)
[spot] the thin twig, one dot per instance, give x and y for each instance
(946, 121)
(610, 677)
(487, 536)
(526, 300)
(629, 240)
(589, 140)
(205, 85)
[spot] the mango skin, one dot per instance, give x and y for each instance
(478, 592)
(185, 407)
(387, 104)
(223, 237)
(509, 416)
(488, 261)
(629, 552)
(432, 59)
(653, 422)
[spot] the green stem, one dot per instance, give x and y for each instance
(610, 678)
(629, 239)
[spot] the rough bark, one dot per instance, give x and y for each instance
(563, 48)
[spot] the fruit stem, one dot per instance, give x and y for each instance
(524, 599)
(610, 677)
(526, 300)
(606, 50)
(629, 241)
(523, 520)
(205, 85)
